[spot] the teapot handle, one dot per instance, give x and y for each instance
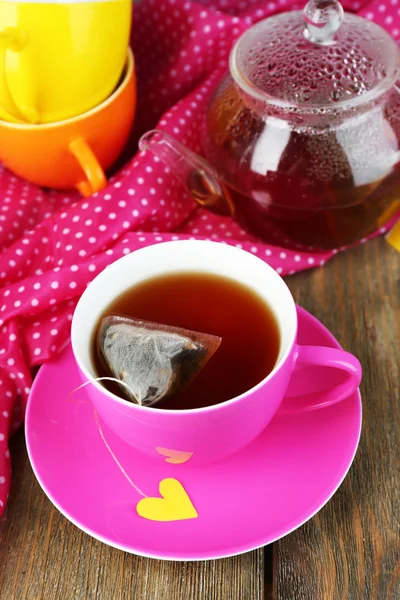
(197, 175)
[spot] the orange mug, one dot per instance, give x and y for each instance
(73, 153)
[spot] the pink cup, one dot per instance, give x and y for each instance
(206, 434)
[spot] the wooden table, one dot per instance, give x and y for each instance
(349, 551)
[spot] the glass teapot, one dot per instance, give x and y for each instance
(302, 136)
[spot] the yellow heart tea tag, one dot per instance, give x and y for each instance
(175, 504)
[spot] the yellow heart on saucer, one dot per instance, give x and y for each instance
(175, 504)
(176, 457)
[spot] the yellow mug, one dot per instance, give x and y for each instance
(60, 59)
(73, 153)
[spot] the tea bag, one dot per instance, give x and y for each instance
(154, 360)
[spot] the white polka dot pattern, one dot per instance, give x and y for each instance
(53, 244)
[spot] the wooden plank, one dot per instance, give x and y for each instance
(351, 549)
(44, 557)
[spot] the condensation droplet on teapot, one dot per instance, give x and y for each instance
(322, 18)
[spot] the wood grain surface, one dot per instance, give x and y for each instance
(349, 551)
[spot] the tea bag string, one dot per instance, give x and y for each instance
(114, 379)
(97, 421)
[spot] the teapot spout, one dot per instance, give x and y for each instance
(197, 175)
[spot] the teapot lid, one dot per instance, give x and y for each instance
(321, 57)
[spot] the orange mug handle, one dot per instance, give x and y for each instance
(13, 39)
(95, 178)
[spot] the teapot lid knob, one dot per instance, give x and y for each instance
(322, 18)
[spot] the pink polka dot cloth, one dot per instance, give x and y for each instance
(54, 243)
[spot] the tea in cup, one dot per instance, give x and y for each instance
(222, 291)
(73, 153)
(60, 59)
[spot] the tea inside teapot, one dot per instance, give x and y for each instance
(302, 137)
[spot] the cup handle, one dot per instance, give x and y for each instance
(95, 178)
(321, 356)
(13, 39)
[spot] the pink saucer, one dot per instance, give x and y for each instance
(251, 499)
